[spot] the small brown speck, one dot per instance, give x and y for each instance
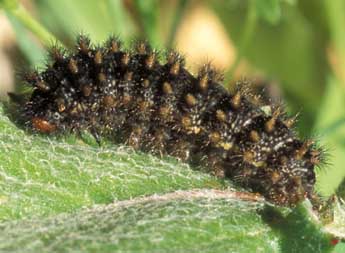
(167, 89)
(220, 115)
(146, 83)
(109, 101)
(254, 136)
(186, 121)
(270, 124)
(315, 157)
(164, 111)
(290, 121)
(102, 77)
(190, 100)
(150, 60)
(86, 90)
(128, 76)
(236, 100)
(114, 46)
(214, 137)
(303, 150)
(72, 66)
(248, 156)
(98, 57)
(226, 145)
(172, 58)
(83, 46)
(42, 85)
(203, 83)
(61, 105)
(42, 125)
(175, 69)
(143, 106)
(125, 59)
(141, 48)
(275, 177)
(135, 137)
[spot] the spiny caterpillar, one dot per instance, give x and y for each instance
(131, 97)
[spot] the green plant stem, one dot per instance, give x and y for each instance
(20, 13)
(117, 13)
(248, 30)
(30, 48)
(148, 18)
(335, 11)
(180, 9)
(106, 10)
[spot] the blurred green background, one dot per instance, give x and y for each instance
(295, 49)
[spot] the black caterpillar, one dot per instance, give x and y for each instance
(129, 96)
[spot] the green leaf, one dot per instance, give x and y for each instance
(160, 225)
(340, 248)
(43, 176)
(173, 222)
(332, 136)
(269, 10)
(294, 236)
(60, 194)
(33, 52)
(149, 11)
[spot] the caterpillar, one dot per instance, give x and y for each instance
(131, 96)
